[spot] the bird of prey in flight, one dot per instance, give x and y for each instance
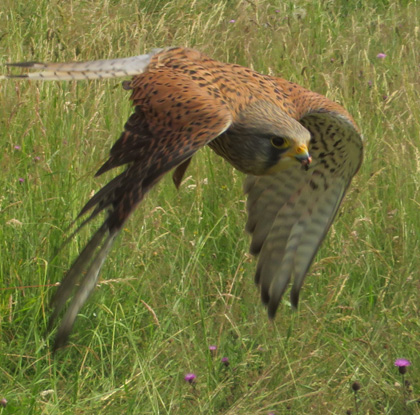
(298, 149)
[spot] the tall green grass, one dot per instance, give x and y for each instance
(180, 279)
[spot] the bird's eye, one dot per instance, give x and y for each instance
(279, 142)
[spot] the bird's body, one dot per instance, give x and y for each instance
(262, 125)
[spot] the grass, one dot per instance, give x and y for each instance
(180, 279)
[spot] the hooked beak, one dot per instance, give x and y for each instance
(301, 154)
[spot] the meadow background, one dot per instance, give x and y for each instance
(179, 278)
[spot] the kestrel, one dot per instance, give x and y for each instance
(299, 150)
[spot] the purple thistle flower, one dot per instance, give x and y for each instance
(232, 21)
(402, 363)
(190, 377)
(225, 361)
(212, 348)
(277, 11)
(17, 147)
(21, 180)
(381, 55)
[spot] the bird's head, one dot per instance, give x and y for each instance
(264, 140)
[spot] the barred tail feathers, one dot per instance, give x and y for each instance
(99, 69)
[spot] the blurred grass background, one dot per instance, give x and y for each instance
(180, 278)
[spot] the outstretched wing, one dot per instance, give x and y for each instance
(173, 118)
(290, 212)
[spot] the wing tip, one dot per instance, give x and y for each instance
(294, 298)
(265, 297)
(59, 342)
(272, 308)
(255, 246)
(179, 172)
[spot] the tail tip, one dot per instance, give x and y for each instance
(23, 64)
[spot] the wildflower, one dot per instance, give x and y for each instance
(17, 147)
(356, 386)
(232, 21)
(225, 361)
(3, 402)
(402, 365)
(370, 83)
(212, 349)
(190, 377)
(21, 180)
(381, 55)
(277, 11)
